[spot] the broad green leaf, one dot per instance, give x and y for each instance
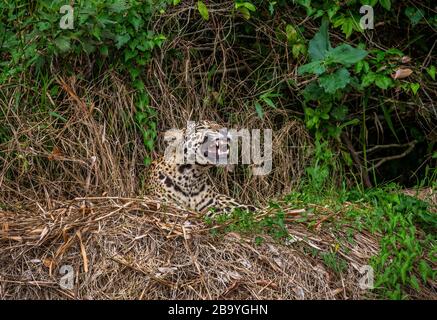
(129, 54)
(247, 5)
(313, 92)
(316, 67)
(136, 21)
(339, 112)
(347, 26)
(431, 71)
(415, 87)
(319, 45)
(414, 14)
(346, 54)
(359, 66)
(121, 40)
(334, 81)
(383, 82)
(203, 10)
(368, 79)
(332, 10)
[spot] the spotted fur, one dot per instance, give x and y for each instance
(187, 185)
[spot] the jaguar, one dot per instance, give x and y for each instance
(180, 176)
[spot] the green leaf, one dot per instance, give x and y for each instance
(136, 21)
(245, 12)
(337, 80)
(368, 79)
(383, 82)
(247, 5)
(297, 50)
(346, 54)
(347, 26)
(176, 2)
(269, 102)
(340, 112)
(43, 26)
(415, 87)
(313, 92)
(259, 110)
(121, 40)
(118, 6)
(104, 51)
(414, 283)
(272, 7)
(138, 84)
(315, 67)
(129, 54)
(319, 45)
(203, 10)
(386, 4)
(63, 43)
(425, 270)
(57, 116)
(431, 71)
(290, 32)
(414, 14)
(359, 66)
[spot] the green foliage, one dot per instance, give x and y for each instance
(245, 8)
(334, 262)
(203, 10)
(295, 41)
(247, 223)
(414, 14)
(330, 66)
(113, 32)
(408, 229)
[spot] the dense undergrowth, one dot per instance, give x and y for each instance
(361, 102)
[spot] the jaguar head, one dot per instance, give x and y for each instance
(203, 143)
(207, 143)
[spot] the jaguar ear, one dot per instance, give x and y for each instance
(173, 135)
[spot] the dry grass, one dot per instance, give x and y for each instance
(71, 182)
(202, 73)
(129, 248)
(84, 144)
